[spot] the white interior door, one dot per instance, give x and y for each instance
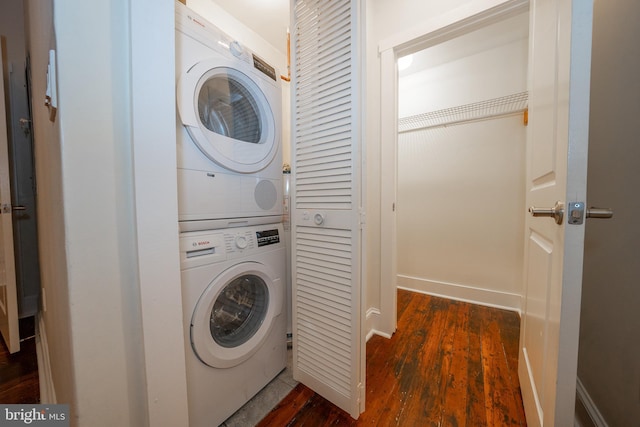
(560, 61)
(8, 290)
(328, 343)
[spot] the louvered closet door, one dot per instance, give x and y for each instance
(328, 345)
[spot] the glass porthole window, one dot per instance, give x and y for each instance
(239, 311)
(232, 117)
(227, 108)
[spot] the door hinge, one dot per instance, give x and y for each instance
(363, 218)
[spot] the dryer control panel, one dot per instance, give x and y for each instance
(267, 69)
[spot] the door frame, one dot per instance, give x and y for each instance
(441, 28)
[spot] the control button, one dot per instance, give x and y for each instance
(235, 48)
(241, 242)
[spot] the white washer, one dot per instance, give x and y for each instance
(233, 294)
(228, 132)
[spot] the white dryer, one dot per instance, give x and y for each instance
(233, 294)
(228, 132)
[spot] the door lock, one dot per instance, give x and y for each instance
(7, 208)
(576, 215)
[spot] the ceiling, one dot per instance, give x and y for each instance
(487, 37)
(268, 18)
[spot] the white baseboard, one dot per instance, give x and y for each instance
(372, 319)
(583, 398)
(465, 293)
(47, 390)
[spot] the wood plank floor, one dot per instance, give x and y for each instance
(449, 364)
(19, 371)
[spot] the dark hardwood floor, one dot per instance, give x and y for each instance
(19, 371)
(449, 363)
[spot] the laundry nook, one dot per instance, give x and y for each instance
(222, 213)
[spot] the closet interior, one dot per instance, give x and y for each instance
(462, 107)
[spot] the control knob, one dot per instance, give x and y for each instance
(235, 48)
(241, 242)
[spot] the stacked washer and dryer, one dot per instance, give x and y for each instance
(232, 247)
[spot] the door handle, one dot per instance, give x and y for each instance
(599, 213)
(7, 208)
(577, 212)
(556, 212)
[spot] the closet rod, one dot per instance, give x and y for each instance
(465, 121)
(484, 110)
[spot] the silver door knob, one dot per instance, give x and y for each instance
(577, 212)
(599, 213)
(556, 212)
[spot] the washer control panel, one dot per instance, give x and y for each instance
(211, 246)
(200, 248)
(268, 237)
(239, 240)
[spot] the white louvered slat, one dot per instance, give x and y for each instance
(325, 85)
(325, 119)
(337, 180)
(336, 92)
(329, 148)
(334, 66)
(320, 125)
(325, 195)
(319, 159)
(337, 68)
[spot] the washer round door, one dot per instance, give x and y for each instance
(235, 314)
(228, 115)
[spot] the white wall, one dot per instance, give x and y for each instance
(488, 63)
(90, 164)
(461, 187)
(152, 119)
(56, 311)
(609, 352)
(459, 215)
(108, 218)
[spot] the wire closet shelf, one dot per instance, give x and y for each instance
(483, 110)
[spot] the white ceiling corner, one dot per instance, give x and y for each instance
(268, 18)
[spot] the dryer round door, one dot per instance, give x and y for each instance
(228, 115)
(235, 314)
